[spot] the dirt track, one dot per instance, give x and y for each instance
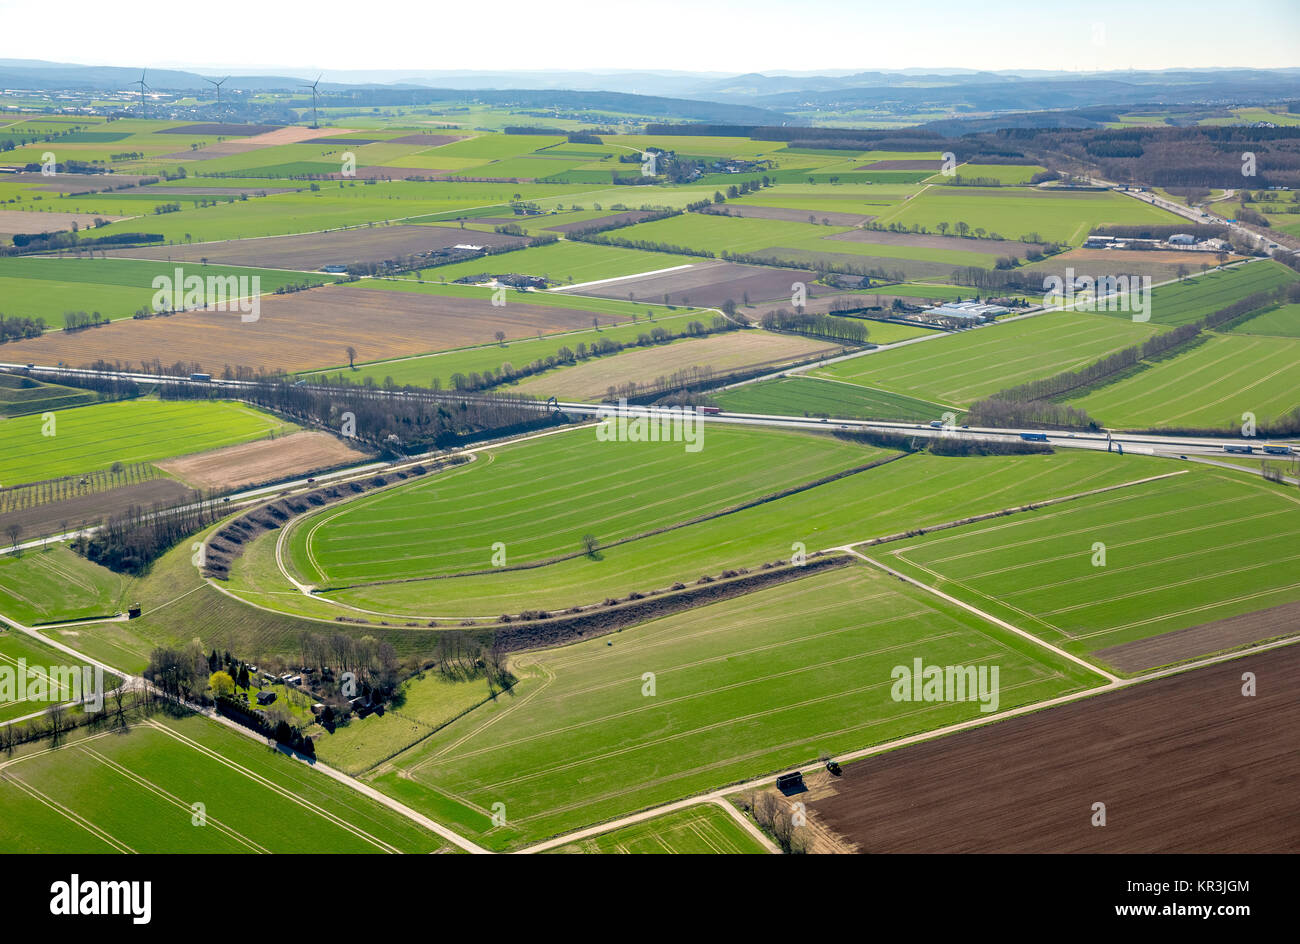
(1183, 764)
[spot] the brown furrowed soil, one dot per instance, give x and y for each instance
(87, 511)
(23, 221)
(309, 251)
(265, 460)
(1183, 644)
(709, 283)
(1183, 764)
(631, 216)
(302, 331)
(291, 134)
(737, 350)
(1161, 266)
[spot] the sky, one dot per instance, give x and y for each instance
(689, 35)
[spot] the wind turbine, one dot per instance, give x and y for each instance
(218, 86)
(314, 124)
(140, 82)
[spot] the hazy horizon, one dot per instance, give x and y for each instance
(819, 37)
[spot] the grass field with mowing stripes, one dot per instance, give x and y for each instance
(966, 366)
(706, 829)
(135, 792)
(89, 438)
(1178, 552)
(741, 688)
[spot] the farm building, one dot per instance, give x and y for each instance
(971, 312)
(1182, 239)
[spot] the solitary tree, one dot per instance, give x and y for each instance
(352, 356)
(501, 338)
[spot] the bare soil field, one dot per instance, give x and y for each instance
(91, 510)
(222, 129)
(309, 251)
(709, 283)
(291, 134)
(1161, 266)
(1000, 247)
(21, 221)
(303, 331)
(628, 218)
(1183, 644)
(921, 164)
(265, 460)
(787, 214)
(75, 183)
(723, 352)
(1183, 764)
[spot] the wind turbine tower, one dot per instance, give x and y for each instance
(314, 123)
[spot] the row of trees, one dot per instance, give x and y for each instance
(131, 541)
(17, 328)
(848, 330)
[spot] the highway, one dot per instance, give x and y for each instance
(1104, 440)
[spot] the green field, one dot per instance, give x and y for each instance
(425, 703)
(54, 584)
(1182, 551)
(909, 492)
(742, 688)
(963, 367)
(19, 395)
(1191, 300)
(540, 499)
(568, 263)
(116, 288)
(1209, 386)
(1064, 217)
(46, 684)
(705, 829)
(88, 438)
(1280, 322)
(747, 235)
(813, 396)
(135, 792)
